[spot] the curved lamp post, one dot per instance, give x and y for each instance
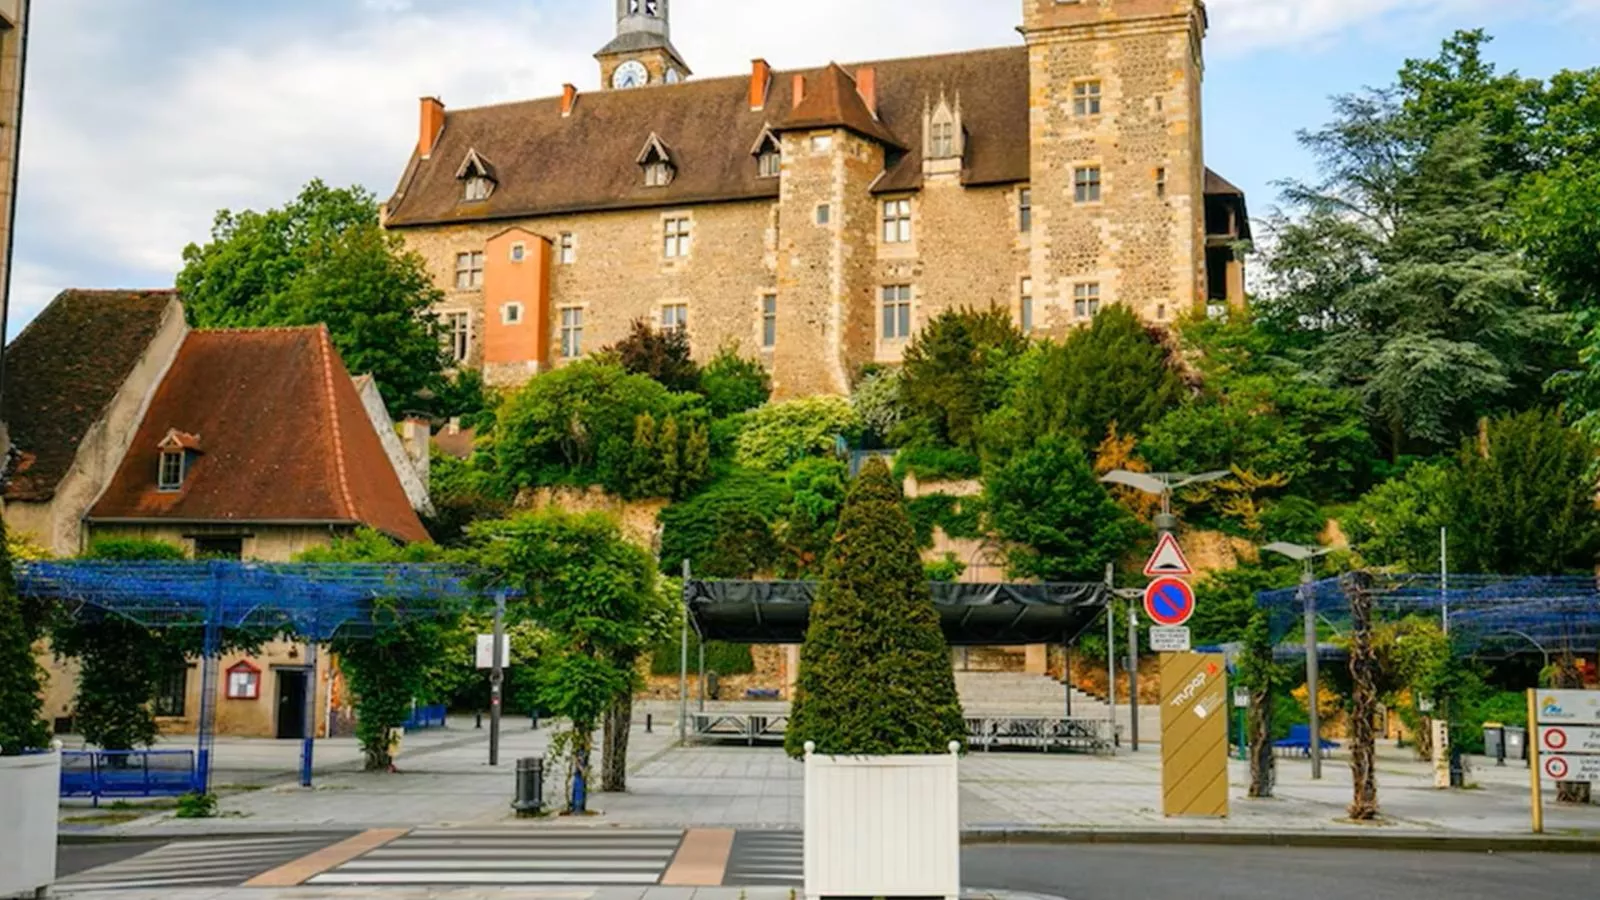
(1307, 555)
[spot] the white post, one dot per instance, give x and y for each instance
(1111, 649)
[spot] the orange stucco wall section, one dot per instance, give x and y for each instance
(507, 280)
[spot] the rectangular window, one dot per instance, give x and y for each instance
(677, 238)
(1025, 210)
(657, 174)
(944, 140)
(1025, 311)
(769, 164)
(897, 312)
(675, 317)
(571, 332)
(172, 693)
(568, 248)
(519, 252)
(821, 143)
(1086, 300)
(1161, 183)
(469, 271)
(511, 313)
(896, 221)
(476, 189)
(824, 214)
(1086, 184)
(769, 321)
(458, 335)
(1086, 98)
(171, 475)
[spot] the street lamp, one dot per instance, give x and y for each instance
(1160, 484)
(1307, 555)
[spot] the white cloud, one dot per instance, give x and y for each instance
(134, 136)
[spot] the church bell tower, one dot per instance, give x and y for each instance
(641, 54)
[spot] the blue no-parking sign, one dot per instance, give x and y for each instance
(1169, 601)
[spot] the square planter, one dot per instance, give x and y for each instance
(882, 826)
(30, 786)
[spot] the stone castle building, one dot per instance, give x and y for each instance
(818, 218)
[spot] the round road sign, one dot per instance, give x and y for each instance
(1169, 601)
(1556, 768)
(1555, 739)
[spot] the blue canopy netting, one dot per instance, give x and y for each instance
(314, 602)
(1484, 613)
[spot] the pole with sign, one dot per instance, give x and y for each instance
(1566, 741)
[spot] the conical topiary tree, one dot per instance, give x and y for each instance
(875, 673)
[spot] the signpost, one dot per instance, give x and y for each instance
(1168, 560)
(1169, 640)
(1169, 602)
(1194, 735)
(1567, 743)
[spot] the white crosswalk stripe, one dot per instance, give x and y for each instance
(185, 864)
(512, 856)
(764, 858)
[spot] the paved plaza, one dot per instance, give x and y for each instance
(445, 781)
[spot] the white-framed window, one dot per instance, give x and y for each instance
(170, 477)
(897, 221)
(1025, 305)
(476, 189)
(458, 335)
(769, 321)
(1086, 98)
(674, 316)
(1086, 300)
(571, 332)
(896, 312)
(567, 248)
(1086, 184)
(658, 174)
(824, 213)
(511, 313)
(770, 163)
(943, 140)
(821, 143)
(676, 237)
(1161, 182)
(469, 271)
(519, 252)
(1025, 210)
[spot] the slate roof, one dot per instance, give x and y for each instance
(62, 373)
(832, 101)
(284, 436)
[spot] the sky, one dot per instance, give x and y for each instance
(145, 117)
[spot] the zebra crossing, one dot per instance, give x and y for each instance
(506, 856)
(766, 858)
(197, 863)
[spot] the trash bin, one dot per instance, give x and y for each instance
(1516, 743)
(529, 800)
(1494, 742)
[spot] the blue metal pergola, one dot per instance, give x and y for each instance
(314, 602)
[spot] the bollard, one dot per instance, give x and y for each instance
(529, 800)
(479, 724)
(580, 793)
(649, 723)
(534, 718)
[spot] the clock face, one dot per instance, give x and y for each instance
(630, 74)
(673, 76)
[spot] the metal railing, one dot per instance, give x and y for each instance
(426, 717)
(129, 773)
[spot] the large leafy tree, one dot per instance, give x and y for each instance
(323, 258)
(875, 675)
(1056, 517)
(955, 373)
(663, 355)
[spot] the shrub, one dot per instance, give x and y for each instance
(663, 356)
(733, 384)
(875, 674)
(725, 531)
(20, 676)
(1061, 523)
(776, 437)
(817, 489)
(959, 517)
(936, 464)
(955, 373)
(880, 404)
(196, 806)
(947, 569)
(721, 657)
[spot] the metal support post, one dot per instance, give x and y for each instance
(212, 651)
(497, 676)
(309, 741)
(1133, 679)
(702, 674)
(1066, 674)
(1111, 648)
(1309, 601)
(683, 663)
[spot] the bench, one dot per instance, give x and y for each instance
(1298, 743)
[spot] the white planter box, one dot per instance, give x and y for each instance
(883, 826)
(30, 788)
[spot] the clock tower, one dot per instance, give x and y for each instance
(642, 53)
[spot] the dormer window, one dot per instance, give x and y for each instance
(656, 161)
(477, 178)
(768, 154)
(171, 478)
(178, 450)
(941, 124)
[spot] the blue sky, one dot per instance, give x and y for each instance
(144, 117)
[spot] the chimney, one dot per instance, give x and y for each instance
(799, 89)
(416, 434)
(432, 126)
(569, 99)
(867, 87)
(760, 83)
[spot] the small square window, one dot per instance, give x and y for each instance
(477, 189)
(897, 312)
(1025, 210)
(1086, 184)
(511, 313)
(1086, 98)
(1086, 300)
(676, 233)
(568, 248)
(658, 174)
(896, 221)
(519, 252)
(571, 332)
(469, 271)
(824, 213)
(821, 143)
(769, 321)
(769, 164)
(674, 317)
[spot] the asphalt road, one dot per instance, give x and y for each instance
(74, 858)
(1125, 872)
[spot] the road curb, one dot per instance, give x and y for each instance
(1377, 839)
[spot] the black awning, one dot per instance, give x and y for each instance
(777, 612)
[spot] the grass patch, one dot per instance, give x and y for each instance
(102, 818)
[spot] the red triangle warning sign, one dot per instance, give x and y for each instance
(1168, 559)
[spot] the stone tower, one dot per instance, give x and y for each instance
(642, 53)
(1118, 171)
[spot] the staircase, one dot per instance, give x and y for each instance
(1017, 693)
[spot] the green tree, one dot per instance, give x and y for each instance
(1059, 521)
(955, 373)
(733, 384)
(728, 529)
(875, 675)
(664, 356)
(879, 402)
(1116, 373)
(1397, 523)
(463, 492)
(20, 675)
(667, 447)
(779, 435)
(323, 258)
(817, 489)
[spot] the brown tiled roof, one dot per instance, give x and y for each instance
(832, 101)
(285, 437)
(1216, 184)
(63, 371)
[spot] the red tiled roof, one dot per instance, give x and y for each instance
(286, 439)
(832, 101)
